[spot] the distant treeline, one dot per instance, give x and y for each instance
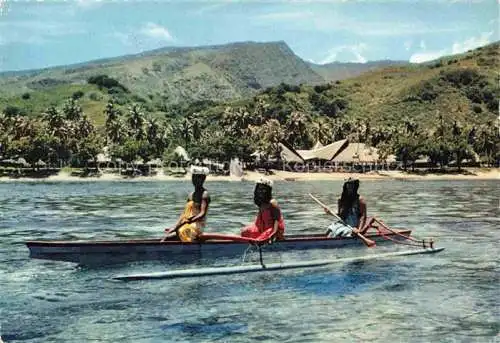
(220, 132)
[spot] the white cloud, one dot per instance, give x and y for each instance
(156, 31)
(422, 45)
(456, 48)
(149, 36)
(426, 56)
(348, 53)
(471, 43)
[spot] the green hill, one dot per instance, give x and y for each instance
(341, 71)
(174, 75)
(462, 87)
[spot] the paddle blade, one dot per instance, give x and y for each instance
(368, 242)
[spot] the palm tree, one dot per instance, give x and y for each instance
(378, 135)
(23, 127)
(358, 128)
(195, 126)
(271, 133)
(337, 130)
(111, 112)
(321, 130)
(296, 126)
(136, 122)
(366, 134)
(83, 127)
(152, 128)
(346, 127)
(236, 121)
(261, 112)
(54, 119)
(72, 110)
(486, 141)
(460, 142)
(116, 131)
(156, 136)
(112, 122)
(186, 130)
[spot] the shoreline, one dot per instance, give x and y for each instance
(278, 175)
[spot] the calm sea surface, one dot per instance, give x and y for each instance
(452, 296)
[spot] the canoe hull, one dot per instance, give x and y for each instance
(120, 251)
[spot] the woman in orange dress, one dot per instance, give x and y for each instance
(193, 219)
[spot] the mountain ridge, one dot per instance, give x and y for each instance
(218, 72)
(145, 53)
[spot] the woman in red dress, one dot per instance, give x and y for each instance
(269, 221)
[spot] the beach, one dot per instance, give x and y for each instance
(280, 175)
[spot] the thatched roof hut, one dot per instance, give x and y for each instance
(327, 152)
(339, 151)
(289, 154)
(361, 153)
(317, 145)
(22, 162)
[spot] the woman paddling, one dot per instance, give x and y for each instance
(193, 219)
(352, 211)
(269, 221)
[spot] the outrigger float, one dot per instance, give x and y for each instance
(199, 272)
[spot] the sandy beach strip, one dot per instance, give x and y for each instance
(277, 175)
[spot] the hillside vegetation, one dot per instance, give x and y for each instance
(340, 71)
(446, 109)
(174, 75)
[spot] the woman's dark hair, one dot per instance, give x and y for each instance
(198, 179)
(349, 196)
(262, 194)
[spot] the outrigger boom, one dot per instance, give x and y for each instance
(199, 272)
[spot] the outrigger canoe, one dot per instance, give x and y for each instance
(211, 247)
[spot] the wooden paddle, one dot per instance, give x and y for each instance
(368, 242)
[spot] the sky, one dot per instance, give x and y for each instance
(43, 33)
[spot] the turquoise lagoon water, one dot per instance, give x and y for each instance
(448, 297)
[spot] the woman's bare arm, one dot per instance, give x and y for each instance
(362, 219)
